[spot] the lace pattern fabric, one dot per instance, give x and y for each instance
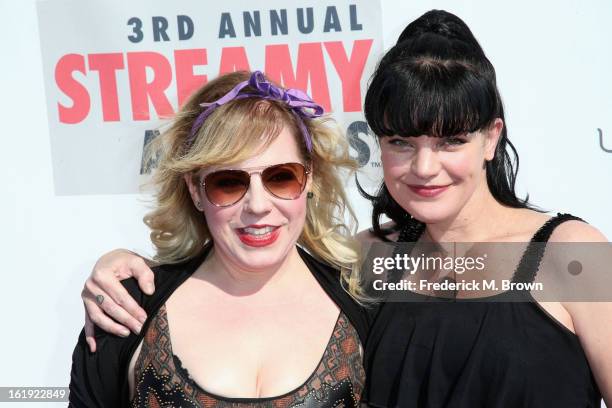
(161, 380)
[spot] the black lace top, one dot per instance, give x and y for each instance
(161, 380)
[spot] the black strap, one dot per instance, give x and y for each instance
(411, 231)
(530, 261)
(546, 230)
(532, 257)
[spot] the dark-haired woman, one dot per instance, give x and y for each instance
(449, 177)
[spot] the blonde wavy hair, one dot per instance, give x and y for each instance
(233, 133)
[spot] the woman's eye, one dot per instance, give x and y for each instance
(229, 182)
(281, 176)
(454, 141)
(399, 143)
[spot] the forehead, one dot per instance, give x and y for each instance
(283, 149)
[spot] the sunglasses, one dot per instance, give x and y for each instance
(224, 188)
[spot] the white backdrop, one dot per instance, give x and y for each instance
(552, 59)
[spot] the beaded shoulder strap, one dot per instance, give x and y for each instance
(411, 231)
(530, 261)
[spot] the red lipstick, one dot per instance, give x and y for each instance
(427, 191)
(258, 235)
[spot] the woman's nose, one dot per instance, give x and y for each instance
(257, 200)
(425, 163)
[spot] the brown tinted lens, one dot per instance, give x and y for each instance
(286, 181)
(226, 187)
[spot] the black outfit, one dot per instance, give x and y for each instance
(100, 379)
(459, 353)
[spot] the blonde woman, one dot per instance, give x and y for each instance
(248, 307)
(449, 173)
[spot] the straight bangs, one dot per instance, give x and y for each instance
(429, 96)
(239, 130)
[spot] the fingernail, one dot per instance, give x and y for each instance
(142, 319)
(150, 288)
(125, 332)
(138, 329)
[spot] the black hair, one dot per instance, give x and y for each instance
(437, 81)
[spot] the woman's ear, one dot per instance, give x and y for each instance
(492, 135)
(192, 183)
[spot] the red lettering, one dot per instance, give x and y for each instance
(186, 82)
(233, 59)
(106, 65)
(310, 67)
(141, 90)
(151, 74)
(350, 70)
(81, 102)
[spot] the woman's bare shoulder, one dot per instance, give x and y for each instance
(577, 231)
(568, 231)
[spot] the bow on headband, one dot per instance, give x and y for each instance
(300, 103)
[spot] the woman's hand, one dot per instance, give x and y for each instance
(108, 305)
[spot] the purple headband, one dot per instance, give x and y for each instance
(263, 89)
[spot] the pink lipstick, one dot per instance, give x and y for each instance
(428, 191)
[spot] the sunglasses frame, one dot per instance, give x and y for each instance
(250, 171)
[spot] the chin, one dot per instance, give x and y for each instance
(261, 261)
(262, 258)
(428, 217)
(429, 212)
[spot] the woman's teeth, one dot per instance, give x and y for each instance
(258, 231)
